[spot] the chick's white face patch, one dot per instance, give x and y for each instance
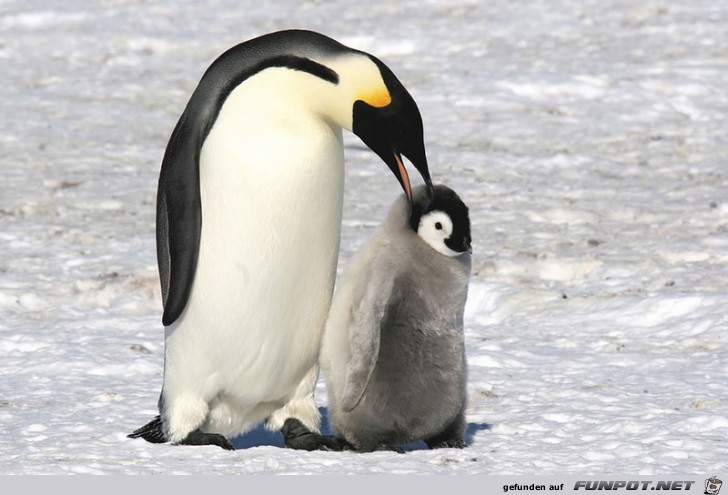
(435, 228)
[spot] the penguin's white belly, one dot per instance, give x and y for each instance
(271, 186)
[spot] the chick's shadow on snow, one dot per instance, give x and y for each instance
(260, 437)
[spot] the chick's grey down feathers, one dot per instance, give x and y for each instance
(393, 352)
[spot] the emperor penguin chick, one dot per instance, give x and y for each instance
(393, 353)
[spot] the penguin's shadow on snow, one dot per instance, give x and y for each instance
(260, 437)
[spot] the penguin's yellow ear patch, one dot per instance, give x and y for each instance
(378, 98)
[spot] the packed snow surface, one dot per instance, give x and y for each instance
(589, 138)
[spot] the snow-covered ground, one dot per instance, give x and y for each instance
(590, 139)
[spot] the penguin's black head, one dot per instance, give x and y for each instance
(394, 129)
(442, 221)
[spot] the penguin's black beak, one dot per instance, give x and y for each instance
(415, 152)
(394, 131)
(388, 138)
(396, 165)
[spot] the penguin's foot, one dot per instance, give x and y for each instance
(447, 444)
(382, 447)
(296, 436)
(448, 439)
(199, 438)
(385, 447)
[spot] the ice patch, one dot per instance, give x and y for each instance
(581, 87)
(655, 311)
(562, 216)
(20, 344)
(36, 438)
(141, 367)
(563, 270)
(102, 204)
(484, 361)
(492, 304)
(43, 19)
(703, 424)
(684, 256)
(150, 45)
(598, 456)
(557, 270)
(487, 361)
(559, 417)
(7, 299)
(32, 302)
(482, 300)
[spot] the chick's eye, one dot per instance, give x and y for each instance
(438, 226)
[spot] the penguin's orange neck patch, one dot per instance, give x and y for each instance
(378, 98)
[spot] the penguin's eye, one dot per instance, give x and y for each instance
(438, 226)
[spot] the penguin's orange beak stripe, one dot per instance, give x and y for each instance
(404, 177)
(378, 98)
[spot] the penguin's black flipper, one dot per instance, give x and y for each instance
(296, 436)
(179, 216)
(151, 432)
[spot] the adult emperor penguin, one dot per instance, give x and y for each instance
(249, 212)
(393, 353)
